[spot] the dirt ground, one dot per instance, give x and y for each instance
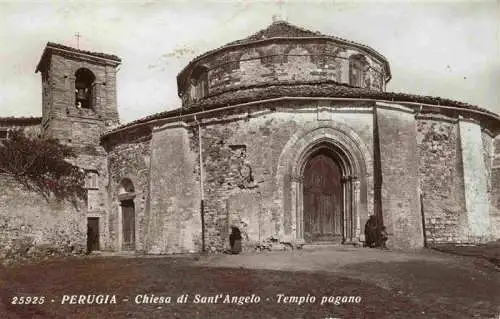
(420, 284)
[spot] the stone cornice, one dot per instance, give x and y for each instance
(488, 118)
(326, 88)
(395, 107)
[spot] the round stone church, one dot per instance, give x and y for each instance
(290, 136)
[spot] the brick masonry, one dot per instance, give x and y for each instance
(61, 118)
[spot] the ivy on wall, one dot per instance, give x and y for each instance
(42, 165)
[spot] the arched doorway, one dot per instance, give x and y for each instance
(323, 194)
(126, 197)
(348, 151)
(327, 196)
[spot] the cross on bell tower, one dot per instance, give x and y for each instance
(78, 36)
(281, 16)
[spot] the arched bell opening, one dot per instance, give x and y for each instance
(84, 88)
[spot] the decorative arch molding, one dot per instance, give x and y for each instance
(126, 189)
(354, 158)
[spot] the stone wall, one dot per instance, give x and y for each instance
(130, 160)
(488, 155)
(30, 130)
(396, 127)
(241, 156)
(96, 163)
(495, 188)
(34, 227)
(174, 221)
(475, 182)
(283, 62)
(441, 179)
(61, 118)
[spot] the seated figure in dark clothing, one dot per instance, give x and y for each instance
(371, 232)
(235, 240)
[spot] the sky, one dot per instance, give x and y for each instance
(449, 49)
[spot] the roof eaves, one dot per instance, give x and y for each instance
(220, 100)
(52, 46)
(17, 120)
(95, 54)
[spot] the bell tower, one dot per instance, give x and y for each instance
(78, 94)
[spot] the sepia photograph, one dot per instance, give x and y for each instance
(250, 159)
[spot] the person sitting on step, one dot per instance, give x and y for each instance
(235, 240)
(371, 232)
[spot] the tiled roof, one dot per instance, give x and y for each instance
(307, 89)
(97, 54)
(56, 46)
(279, 29)
(20, 120)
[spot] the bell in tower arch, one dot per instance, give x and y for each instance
(83, 86)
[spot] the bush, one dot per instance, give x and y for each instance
(41, 165)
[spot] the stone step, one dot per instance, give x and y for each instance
(329, 245)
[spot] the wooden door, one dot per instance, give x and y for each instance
(92, 234)
(128, 224)
(323, 198)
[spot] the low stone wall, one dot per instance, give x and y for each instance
(33, 227)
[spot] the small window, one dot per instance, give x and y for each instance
(358, 66)
(199, 83)
(92, 180)
(4, 134)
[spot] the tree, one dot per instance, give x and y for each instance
(42, 165)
